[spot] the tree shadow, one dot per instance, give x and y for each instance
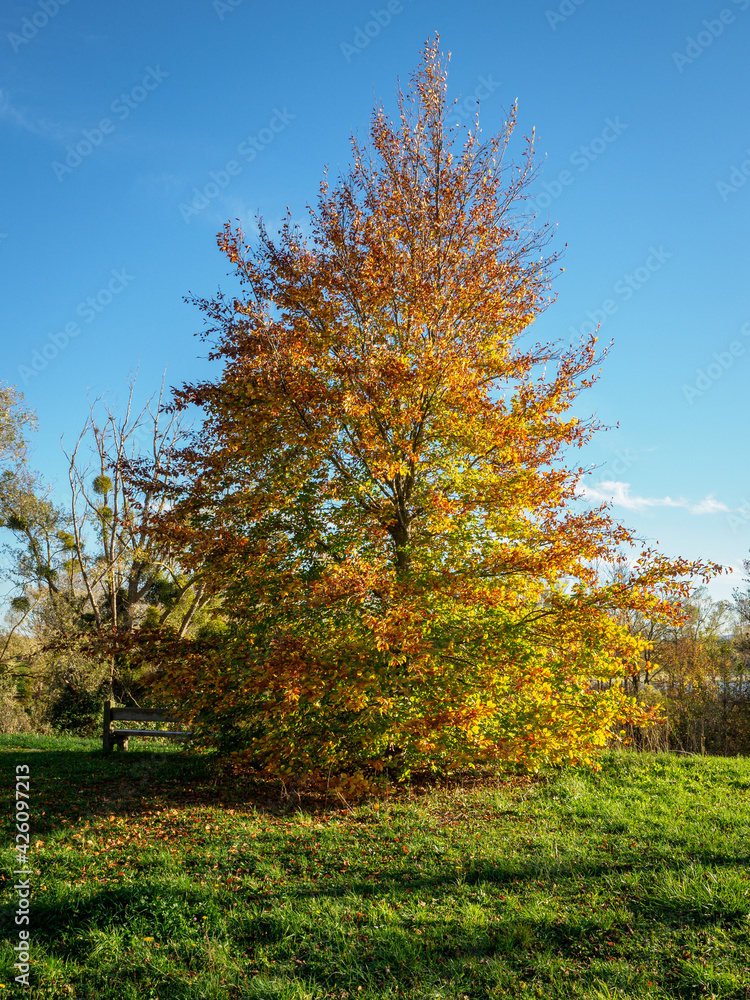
(68, 785)
(506, 947)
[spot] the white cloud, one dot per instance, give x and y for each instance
(709, 506)
(611, 491)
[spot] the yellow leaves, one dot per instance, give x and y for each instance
(354, 407)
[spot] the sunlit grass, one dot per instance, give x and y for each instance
(153, 881)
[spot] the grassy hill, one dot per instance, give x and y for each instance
(154, 880)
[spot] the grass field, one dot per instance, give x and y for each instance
(152, 880)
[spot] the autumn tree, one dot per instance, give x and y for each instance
(699, 675)
(382, 480)
(692, 668)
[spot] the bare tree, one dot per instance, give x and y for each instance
(124, 570)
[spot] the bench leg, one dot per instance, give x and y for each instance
(106, 739)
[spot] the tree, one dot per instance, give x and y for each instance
(700, 677)
(381, 479)
(27, 511)
(91, 571)
(25, 508)
(16, 421)
(129, 572)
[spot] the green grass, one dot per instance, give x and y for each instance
(152, 880)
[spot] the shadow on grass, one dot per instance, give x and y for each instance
(69, 784)
(656, 897)
(507, 946)
(159, 907)
(72, 778)
(656, 901)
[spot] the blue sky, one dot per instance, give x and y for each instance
(131, 132)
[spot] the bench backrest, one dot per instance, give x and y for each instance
(141, 715)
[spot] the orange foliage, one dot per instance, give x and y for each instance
(381, 486)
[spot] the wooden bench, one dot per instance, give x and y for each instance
(119, 737)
